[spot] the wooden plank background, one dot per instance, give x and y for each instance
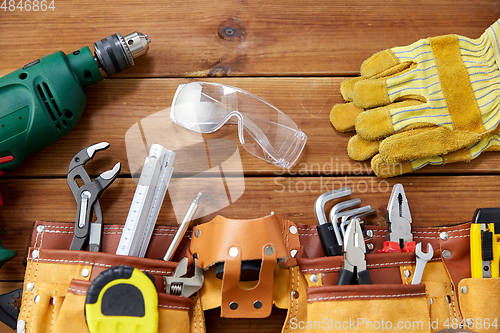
(292, 53)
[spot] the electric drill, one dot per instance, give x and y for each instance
(43, 100)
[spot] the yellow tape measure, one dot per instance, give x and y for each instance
(122, 299)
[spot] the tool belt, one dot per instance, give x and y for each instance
(293, 274)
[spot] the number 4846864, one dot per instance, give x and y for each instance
(28, 5)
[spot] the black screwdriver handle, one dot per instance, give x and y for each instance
(328, 240)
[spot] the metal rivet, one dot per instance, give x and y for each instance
(30, 286)
(233, 305)
(21, 325)
(52, 300)
(431, 301)
(446, 254)
(293, 230)
(35, 254)
(197, 233)
(293, 253)
(257, 304)
(295, 294)
(369, 233)
(314, 278)
(85, 272)
(407, 273)
(464, 290)
(233, 252)
(269, 250)
(448, 299)
(370, 246)
(40, 228)
(443, 235)
(37, 299)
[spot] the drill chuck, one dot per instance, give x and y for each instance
(116, 53)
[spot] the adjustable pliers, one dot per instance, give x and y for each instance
(87, 196)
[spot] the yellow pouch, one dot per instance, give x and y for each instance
(426, 307)
(173, 311)
(367, 308)
(480, 304)
(385, 305)
(56, 282)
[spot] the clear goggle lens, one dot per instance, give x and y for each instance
(264, 131)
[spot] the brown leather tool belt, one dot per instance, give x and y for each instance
(293, 274)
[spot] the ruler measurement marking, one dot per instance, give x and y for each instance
(149, 195)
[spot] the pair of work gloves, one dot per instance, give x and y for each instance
(436, 101)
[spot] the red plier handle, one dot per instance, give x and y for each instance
(395, 247)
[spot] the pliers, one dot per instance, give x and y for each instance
(87, 196)
(354, 256)
(398, 218)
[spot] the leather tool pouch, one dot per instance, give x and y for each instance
(391, 302)
(56, 280)
(480, 304)
(243, 247)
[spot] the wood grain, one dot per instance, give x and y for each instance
(278, 38)
(434, 201)
(294, 54)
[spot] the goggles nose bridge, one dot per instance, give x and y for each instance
(239, 118)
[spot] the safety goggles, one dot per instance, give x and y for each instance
(263, 130)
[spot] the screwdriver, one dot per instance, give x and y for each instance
(182, 228)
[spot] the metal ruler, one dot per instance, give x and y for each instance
(148, 198)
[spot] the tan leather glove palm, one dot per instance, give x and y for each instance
(429, 99)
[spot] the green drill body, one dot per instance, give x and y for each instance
(43, 101)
